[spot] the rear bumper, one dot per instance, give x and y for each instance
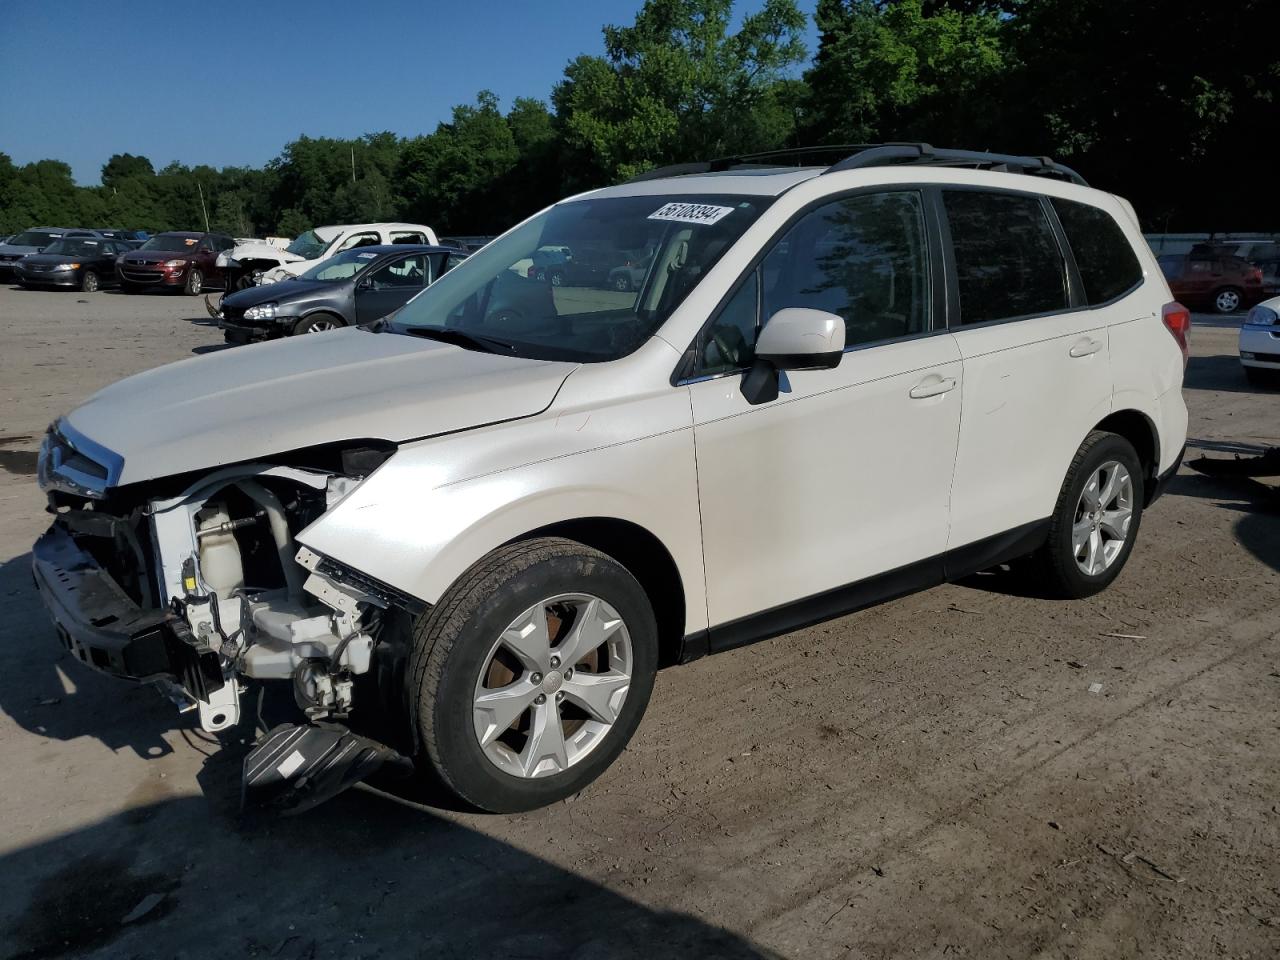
(102, 627)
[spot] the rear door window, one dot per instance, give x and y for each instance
(1107, 264)
(1008, 263)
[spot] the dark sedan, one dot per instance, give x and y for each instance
(178, 260)
(76, 263)
(357, 286)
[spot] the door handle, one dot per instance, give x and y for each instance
(932, 387)
(1083, 348)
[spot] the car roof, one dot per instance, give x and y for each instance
(373, 226)
(181, 233)
(767, 182)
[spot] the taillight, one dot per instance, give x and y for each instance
(1177, 319)
(1255, 275)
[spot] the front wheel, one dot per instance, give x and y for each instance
(195, 282)
(1096, 519)
(531, 674)
(89, 283)
(318, 323)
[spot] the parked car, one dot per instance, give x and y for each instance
(177, 260)
(1260, 343)
(32, 240)
(264, 262)
(465, 244)
(357, 286)
(1223, 284)
(76, 263)
(630, 275)
(840, 384)
(132, 239)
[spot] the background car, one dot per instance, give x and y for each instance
(1212, 281)
(257, 261)
(465, 244)
(1260, 343)
(357, 286)
(73, 262)
(31, 240)
(630, 275)
(132, 239)
(179, 260)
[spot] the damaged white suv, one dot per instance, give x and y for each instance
(494, 515)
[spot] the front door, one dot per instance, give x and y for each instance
(847, 474)
(389, 287)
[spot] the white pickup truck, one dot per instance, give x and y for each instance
(260, 262)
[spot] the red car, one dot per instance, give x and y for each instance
(1221, 283)
(185, 260)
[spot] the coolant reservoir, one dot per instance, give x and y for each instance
(220, 562)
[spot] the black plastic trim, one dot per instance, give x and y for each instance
(912, 578)
(1163, 480)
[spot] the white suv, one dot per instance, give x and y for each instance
(497, 513)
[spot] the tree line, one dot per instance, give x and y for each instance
(1172, 105)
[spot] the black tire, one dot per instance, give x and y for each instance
(1054, 566)
(318, 323)
(1227, 300)
(622, 283)
(557, 278)
(195, 283)
(451, 645)
(89, 283)
(244, 281)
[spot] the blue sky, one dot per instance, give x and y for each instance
(230, 82)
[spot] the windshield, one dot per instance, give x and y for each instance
(585, 281)
(308, 245)
(342, 267)
(170, 242)
(75, 247)
(34, 238)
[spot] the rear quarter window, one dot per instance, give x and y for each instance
(1107, 264)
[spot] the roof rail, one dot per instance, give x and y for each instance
(856, 156)
(923, 153)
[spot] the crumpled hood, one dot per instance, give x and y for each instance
(251, 402)
(257, 250)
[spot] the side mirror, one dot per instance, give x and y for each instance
(795, 338)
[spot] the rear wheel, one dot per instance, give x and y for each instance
(195, 282)
(530, 675)
(318, 323)
(89, 282)
(1096, 519)
(1227, 300)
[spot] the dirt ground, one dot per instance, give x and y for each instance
(929, 778)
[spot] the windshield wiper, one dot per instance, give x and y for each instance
(456, 337)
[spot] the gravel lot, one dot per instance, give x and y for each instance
(929, 778)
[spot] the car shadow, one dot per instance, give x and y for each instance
(1222, 373)
(1257, 529)
(364, 875)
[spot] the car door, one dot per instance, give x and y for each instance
(205, 259)
(847, 474)
(1037, 372)
(389, 286)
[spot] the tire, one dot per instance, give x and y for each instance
(1227, 300)
(195, 283)
(459, 644)
(557, 278)
(318, 323)
(622, 284)
(1056, 566)
(244, 281)
(89, 283)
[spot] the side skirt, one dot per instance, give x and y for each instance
(912, 578)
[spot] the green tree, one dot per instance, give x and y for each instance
(678, 85)
(123, 166)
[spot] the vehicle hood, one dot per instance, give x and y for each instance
(290, 290)
(157, 256)
(249, 403)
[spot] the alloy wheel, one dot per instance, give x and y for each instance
(1227, 301)
(552, 685)
(1103, 515)
(321, 325)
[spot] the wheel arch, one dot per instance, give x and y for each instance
(1136, 427)
(645, 556)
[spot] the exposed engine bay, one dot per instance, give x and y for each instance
(213, 565)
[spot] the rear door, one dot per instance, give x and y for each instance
(1036, 361)
(388, 287)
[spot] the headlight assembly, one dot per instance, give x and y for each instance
(262, 311)
(1261, 316)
